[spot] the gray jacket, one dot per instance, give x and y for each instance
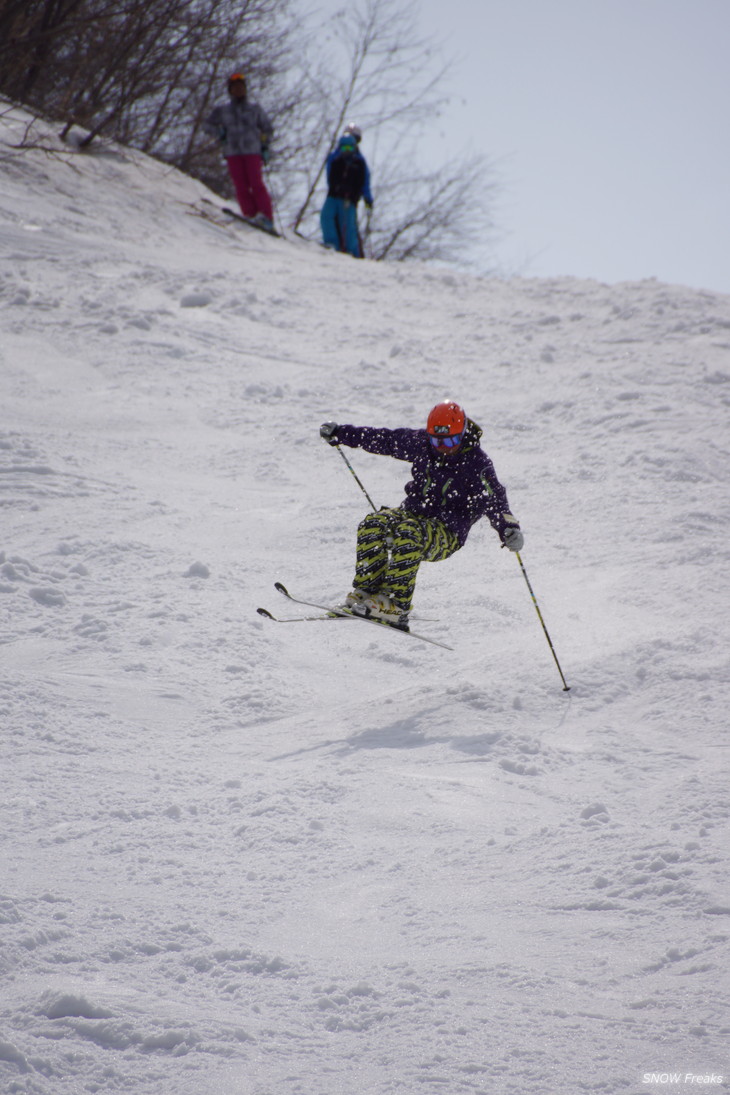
(241, 127)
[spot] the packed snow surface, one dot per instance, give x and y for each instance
(249, 858)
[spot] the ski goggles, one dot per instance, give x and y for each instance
(446, 441)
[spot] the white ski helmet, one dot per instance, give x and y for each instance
(352, 130)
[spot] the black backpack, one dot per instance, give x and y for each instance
(347, 175)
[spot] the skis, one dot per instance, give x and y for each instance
(226, 209)
(249, 221)
(298, 619)
(332, 612)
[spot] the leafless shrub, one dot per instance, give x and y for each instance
(147, 73)
(373, 67)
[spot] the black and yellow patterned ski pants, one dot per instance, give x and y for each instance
(391, 545)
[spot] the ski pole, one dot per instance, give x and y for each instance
(274, 203)
(566, 686)
(354, 474)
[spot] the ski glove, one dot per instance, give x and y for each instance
(222, 134)
(328, 430)
(265, 153)
(513, 539)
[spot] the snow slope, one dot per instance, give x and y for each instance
(316, 859)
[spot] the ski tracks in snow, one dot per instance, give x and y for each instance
(239, 859)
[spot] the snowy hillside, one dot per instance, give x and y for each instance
(244, 858)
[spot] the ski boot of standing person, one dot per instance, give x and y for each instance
(244, 132)
(348, 180)
(453, 485)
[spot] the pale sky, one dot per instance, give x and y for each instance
(609, 121)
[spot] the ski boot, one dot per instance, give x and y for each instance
(355, 602)
(262, 221)
(381, 606)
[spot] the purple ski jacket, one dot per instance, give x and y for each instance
(457, 489)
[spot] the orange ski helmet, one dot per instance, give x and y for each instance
(237, 80)
(445, 426)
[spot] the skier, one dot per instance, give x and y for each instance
(348, 180)
(244, 132)
(453, 485)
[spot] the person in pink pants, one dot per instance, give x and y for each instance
(253, 197)
(244, 131)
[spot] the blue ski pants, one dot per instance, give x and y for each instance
(339, 226)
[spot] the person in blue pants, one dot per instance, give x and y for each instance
(348, 180)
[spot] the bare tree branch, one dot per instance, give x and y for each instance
(380, 72)
(147, 73)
